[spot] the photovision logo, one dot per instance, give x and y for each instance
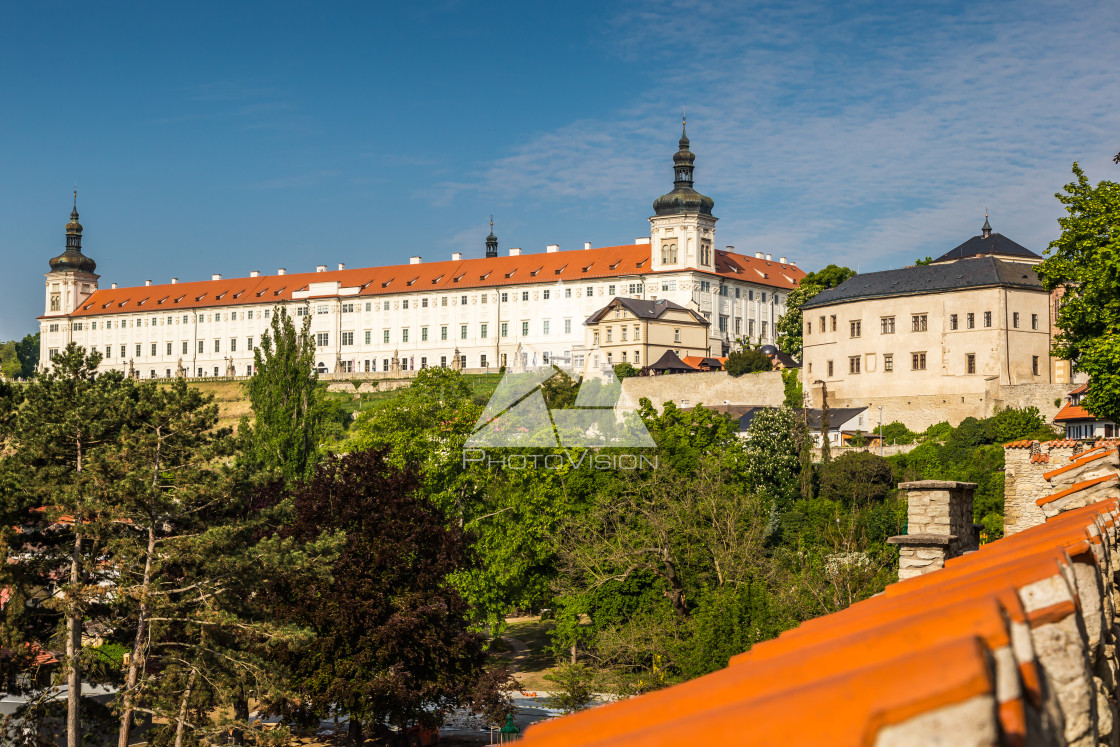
(517, 417)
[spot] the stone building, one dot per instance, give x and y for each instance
(518, 310)
(629, 330)
(1079, 423)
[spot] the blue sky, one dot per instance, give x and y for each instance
(230, 137)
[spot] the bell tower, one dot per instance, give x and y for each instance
(71, 279)
(682, 228)
(491, 241)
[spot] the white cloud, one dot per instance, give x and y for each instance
(850, 133)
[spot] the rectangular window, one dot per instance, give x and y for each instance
(347, 308)
(970, 363)
(323, 309)
(108, 351)
(567, 326)
(1015, 319)
(462, 331)
(404, 336)
(233, 344)
(322, 339)
(505, 297)
(545, 295)
(1034, 321)
(404, 304)
(233, 316)
(544, 327)
(595, 336)
(987, 318)
(482, 361)
(250, 313)
(443, 332)
(369, 336)
(623, 338)
(888, 362)
(1034, 365)
(249, 343)
(301, 311)
(676, 335)
(483, 331)
(952, 321)
(348, 338)
(637, 333)
(590, 291)
(462, 300)
(442, 301)
(610, 290)
(267, 313)
(832, 318)
(385, 336)
(918, 361)
(830, 369)
(524, 329)
(886, 325)
(423, 334)
(217, 346)
(524, 295)
(185, 343)
(610, 333)
(485, 296)
(217, 318)
(567, 293)
(919, 322)
(369, 307)
(505, 329)
(855, 327)
(154, 352)
(201, 348)
(765, 325)
(384, 364)
(853, 364)
(970, 320)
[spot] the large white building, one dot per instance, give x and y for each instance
(519, 310)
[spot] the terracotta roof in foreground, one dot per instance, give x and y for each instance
(573, 267)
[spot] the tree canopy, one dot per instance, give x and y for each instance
(1083, 265)
(745, 361)
(789, 327)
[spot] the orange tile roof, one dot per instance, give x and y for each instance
(572, 266)
(1075, 488)
(1078, 461)
(1040, 458)
(1018, 445)
(1073, 412)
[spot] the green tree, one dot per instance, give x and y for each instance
(898, 433)
(789, 326)
(625, 370)
(28, 351)
(745, 361)
(856, 478)
(10, 366)
(58, 501)
(1084, 264)
(289, 411)
(923, 262)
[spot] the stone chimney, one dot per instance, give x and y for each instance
(938, 526)
(254, 273)
(281, 271)
(215, 276)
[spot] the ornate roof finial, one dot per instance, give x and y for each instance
(986, 231)
(491, 240)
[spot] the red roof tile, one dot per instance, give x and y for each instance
(1075, 488)
(570, 267)
(1078, 461)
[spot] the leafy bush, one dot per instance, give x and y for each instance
(747, 361)
(938, 431)
(856, 478)
(625, 370)
(575, 687)
(898, 433)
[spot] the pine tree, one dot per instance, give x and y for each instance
(59, 508)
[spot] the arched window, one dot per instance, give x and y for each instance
(664, 261)
(56, 302)
(672, 254)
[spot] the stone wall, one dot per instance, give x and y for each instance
(920, 411)
(938, 525)
(709, 388)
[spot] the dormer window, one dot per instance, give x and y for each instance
(387, 282)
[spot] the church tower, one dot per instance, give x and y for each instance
(682, 229)
(71, 279)
(491, 241)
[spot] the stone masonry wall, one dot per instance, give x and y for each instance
(1025, 463)
(708, 388)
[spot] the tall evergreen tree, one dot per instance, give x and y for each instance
(59, 507)
(289, 412)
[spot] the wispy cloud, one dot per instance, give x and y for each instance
(846, 132)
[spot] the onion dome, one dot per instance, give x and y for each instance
(492, 241)
(683, 198)
(72, 259)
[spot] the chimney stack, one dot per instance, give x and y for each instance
(414, 260)
(254, 273)
(730, 248)
(113, 286)
(174, 281)
(456, 256)
(642, 240)
(587, 245)
(552, 249)
(281, 271)
(515, 251)
(767, 257)
(147, 283)
(782, 260)
(320, 268)
(758, 255)
(215, 276)
(341, 266)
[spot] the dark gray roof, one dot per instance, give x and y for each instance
(836, 415)
(995, 243)
(978, 272)
(670, 362)
(644, 309)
